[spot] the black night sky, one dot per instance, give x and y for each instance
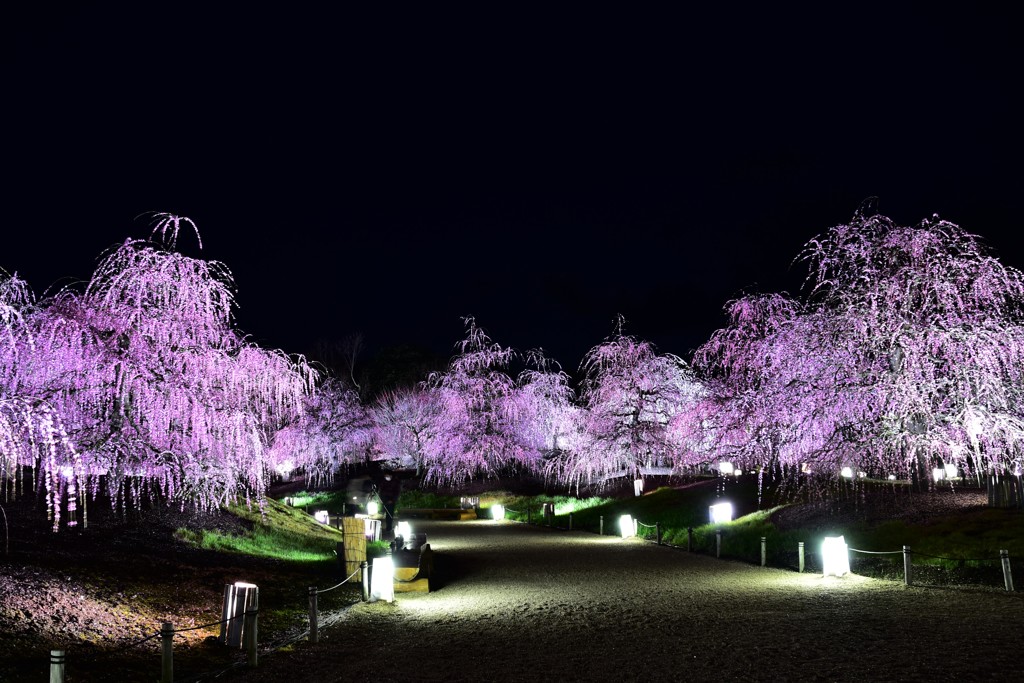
(388, 172)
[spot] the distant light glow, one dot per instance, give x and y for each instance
(805, 468)
(862, 475)
(847, 472)
(404, 530)
(738, 472)
(938, 473)
(322, 516)
(892, 477)
(285, 468)
(626, 526)
(725, 467)
(721, 513)
(951, 472)
(498, 512)
(835, 557)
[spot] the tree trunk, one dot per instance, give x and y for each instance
(1005, 491)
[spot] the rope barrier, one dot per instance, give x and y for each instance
(877, 552)
(649, 526)
(196, 628)
(340, 584)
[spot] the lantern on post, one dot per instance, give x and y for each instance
(835, 556)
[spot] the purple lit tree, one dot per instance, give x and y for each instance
(334, 429)
(631, 394)
(907, 354)
(404, 426)
(475, 427)
(547, 419)
(155, 387)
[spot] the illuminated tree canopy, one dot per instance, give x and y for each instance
(906, 353)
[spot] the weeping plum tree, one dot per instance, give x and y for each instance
(631, 394)
(153, 383)
(475, 425)
(334, 429)
(546, 417)
(908, 352)
(404, 426)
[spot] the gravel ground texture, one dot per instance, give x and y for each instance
(527, 603)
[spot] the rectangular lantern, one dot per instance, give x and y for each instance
(721, 513)
(239, 598)
(322, 516)
(950, 471)
(403, 529)
(498, 512)
(835, 558)
(382, 582)
(938, 473)
(626, 526)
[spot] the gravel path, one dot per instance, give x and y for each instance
(524, 603)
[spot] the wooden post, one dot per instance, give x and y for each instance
(908, 570)
(1004, 556)
(167, 658)
(689, 539)
(249, 632)
(570, 521)
(800, 552)
(364, 568)
(600, 528)
(56, 666)
(718, 543)
(657, 526)
(313, 636)
(764, 551)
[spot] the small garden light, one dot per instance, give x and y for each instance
(938, 473)
(382, 582)
(626, 526)
(835, 558)
(846, 472)
(498, 512)
(721, 513)
(322, 516)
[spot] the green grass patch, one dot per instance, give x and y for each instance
(280, 532)
(332, 501)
